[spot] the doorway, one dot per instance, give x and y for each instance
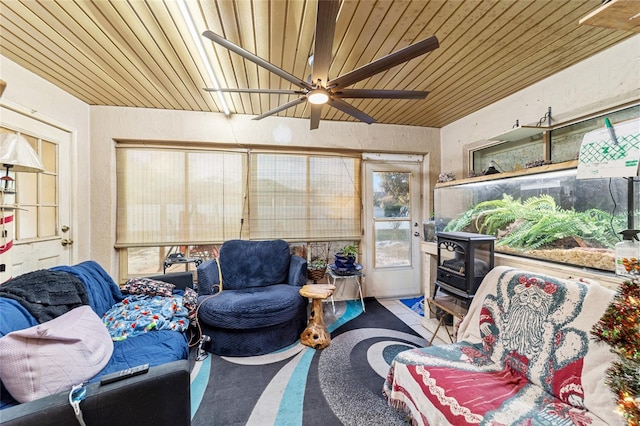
(392, 234)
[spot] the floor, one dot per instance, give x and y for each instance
(424, 327)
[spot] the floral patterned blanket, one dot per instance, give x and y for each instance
(524, 356)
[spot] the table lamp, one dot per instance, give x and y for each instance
(16, 154)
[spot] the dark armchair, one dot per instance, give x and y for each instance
(259, 309)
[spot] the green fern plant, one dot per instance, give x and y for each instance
(545, 230)
(537, 222)
(493, 216)
(461, 222)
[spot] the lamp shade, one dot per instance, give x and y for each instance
(16, 153)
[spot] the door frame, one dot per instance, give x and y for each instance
(377, 278)
(23, 120)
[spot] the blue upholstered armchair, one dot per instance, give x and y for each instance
(259, 309)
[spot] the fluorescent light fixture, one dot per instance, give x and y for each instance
(318, 96)
(195, 35)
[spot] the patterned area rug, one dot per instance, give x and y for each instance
(339, 385)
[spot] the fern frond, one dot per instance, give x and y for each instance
(460, 222)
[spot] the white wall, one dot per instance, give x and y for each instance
(117, 123)
(605, 80)
(43, 101)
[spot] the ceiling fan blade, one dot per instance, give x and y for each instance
(380, 94)
(281, 108)
(384, 63)
(316, 111)
(255, 59)
(351, 110)
(266, 91)
(323, 44)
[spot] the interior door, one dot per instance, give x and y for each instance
(43, 232)
(392, 239)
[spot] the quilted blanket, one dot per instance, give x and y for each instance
(524, 356)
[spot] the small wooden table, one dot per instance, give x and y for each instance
(316, 335)
(446, 304)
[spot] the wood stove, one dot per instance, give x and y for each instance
(464, 259)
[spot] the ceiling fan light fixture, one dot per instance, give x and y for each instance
(318, 96)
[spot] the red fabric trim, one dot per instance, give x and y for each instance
(489, 390)
(6, 247)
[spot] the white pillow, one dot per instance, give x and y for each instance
(53, 356)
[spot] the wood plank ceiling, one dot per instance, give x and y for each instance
(139, 53)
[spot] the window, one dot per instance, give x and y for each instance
(177, 196)
(564, 144)
(191, 200)
(566, 140)
(391, 217)
(508, 156)
(304, 197)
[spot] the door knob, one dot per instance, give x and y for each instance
(66, 242)
(64, 228)
(416, 234)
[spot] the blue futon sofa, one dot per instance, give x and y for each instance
(159, 397)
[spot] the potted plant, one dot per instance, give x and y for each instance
(345, 259)
(316, 269)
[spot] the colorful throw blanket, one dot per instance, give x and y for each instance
(524, 356)
(138, 314)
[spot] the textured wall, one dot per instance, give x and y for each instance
(599, 82)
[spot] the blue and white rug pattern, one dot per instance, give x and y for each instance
(341, 384)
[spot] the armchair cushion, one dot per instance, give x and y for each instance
(297, 271)
(251, 307)
(254, 263)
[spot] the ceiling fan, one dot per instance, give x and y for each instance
(321, 89)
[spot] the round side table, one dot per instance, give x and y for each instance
(316, 335)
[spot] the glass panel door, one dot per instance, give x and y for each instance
(391, 239)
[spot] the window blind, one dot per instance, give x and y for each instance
(178, 196)
(304, 197)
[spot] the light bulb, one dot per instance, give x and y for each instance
(318, 96)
